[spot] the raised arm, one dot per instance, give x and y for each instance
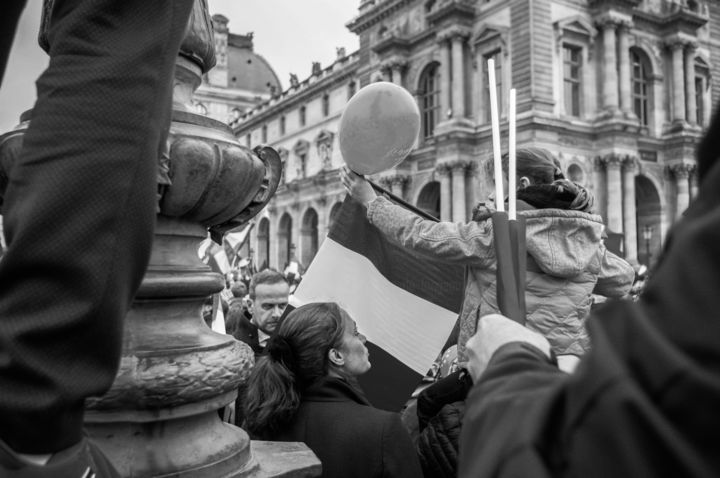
(468, 243)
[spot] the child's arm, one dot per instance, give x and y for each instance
(616, 276)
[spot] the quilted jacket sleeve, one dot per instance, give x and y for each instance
(616, 276)
(467, 243)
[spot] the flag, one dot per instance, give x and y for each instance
(404, 303)
(236, 239)
(214, 256)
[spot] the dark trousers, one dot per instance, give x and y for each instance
(79, 210)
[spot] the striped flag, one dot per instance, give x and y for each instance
(405, 304)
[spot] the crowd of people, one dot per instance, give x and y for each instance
(630, 389)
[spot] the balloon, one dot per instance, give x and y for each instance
(378, 127)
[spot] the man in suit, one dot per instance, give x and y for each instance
(79, 215)
(268, 298)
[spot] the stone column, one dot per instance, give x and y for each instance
(629, 210)
(458, 193)
(445, 89)
(614, 193)
(690, 84)
(624, 67)
(458, 78)
(396, 72)
(610, 83)
(445, 192)
(678, 90)
(681, 173)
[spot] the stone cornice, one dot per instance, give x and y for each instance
(612, 160)
(375, 14)
(681, 170)
(614, 19)
(452, 32)
(392, 45)
(681, 40)
(674, 18)
(630, 163)
(612, 4)
(453, 11)
(443, 169)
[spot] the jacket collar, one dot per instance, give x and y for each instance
(332, 389)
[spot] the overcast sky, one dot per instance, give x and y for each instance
(290, 34)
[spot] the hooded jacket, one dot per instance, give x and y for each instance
(572, 264)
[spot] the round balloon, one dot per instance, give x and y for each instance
(378, 127)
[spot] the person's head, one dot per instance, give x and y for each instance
(238, 289)
(533, 166)
(314, 341)
(269, 293)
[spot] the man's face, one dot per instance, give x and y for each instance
(269, 303)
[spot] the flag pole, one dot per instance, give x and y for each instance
(381, 190)
(495, 120)
(512, 168)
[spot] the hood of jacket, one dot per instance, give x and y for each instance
(564, 243)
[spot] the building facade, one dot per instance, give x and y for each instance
(618, 90)
(240, 80)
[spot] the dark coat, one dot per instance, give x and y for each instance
(349, 436)
(643, 401)
(244, 330)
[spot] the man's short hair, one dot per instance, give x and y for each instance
(267, 276)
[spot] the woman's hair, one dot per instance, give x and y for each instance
(296, 356)
(538, 164)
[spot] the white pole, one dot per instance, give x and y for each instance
(512, 173)
(495, 120)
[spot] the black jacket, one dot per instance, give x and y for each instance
(349, 436)
(643, 402)
(438, 443)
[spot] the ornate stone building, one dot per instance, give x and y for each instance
(619, 90)
(239, 81)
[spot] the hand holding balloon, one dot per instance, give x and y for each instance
(378, 128)
(357, 186)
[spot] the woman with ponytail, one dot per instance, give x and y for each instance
(304, 389)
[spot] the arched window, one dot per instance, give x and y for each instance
(263, 244)
(309, 237)
(303, 118)
(285, 244)
(429, 93)
(640, 72)
(282, 125)
(264, 133)
(702, 89)
(352, 87)
(429, 199)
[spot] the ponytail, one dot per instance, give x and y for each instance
(272, 398)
